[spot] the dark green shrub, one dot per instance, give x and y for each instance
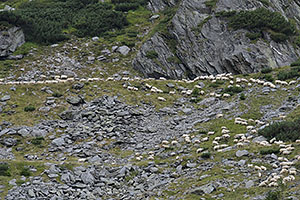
(57, 94)
(269, 77)
(29, 108)
(259, 20)
(285, 131)
(267, 151)
(216, 84)
(25, 171)
(205, 155)
(233, 90)
(278, 37)
(242, 97)
(196, 92)
(266, 70)
(4, 169)
(152, 54)
(211, 3)
(296, 63)
(37, 141)
(44, 21)
(284, 75)
(196, 99)
(273, 195)
(253, 36)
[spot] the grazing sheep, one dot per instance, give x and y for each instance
(174, 142)
(199, 150)
(165, 142)
(292, 82)
(215, 143)
(263, 168)
(204, 139)
(161, 99)
(257, 168)
(226, 95)
(211, 133)
(219, 116)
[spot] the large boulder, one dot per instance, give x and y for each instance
(10, 40)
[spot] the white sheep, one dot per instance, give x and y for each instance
(161, 99)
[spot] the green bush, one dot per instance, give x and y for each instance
(29, 108)
(45, 21)
(211, 3)
(152, 54)
(57, 94)
(205, 155)
(273, 195)
(259, 20)
(267, 151)
(284, 75)
(216, 84)
(4, 169)
(37, 141)
(269, 77)
(296, 63)
(285, 131)
(266, 70)
(233, 90)
(196, 99)
(253, 36)
(25, 171)
(242, 97)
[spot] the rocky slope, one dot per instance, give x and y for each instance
(197, 42)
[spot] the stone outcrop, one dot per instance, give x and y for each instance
(10, 40)
(213, 48)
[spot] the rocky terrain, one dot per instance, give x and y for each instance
(79, 121)
(196, 41)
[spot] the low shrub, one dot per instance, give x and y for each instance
(242, 97)
(285, 131)
(266, 70)
(4, 169)
(233, 90)
(269, 77)
(25, 171)
(151, 54)
(253, 36)
(273, 195)
(216, 84)
(296, 63)
(29, 108)
(267, 151)
(285, 75)
(57, 94)
(196, 99)
(205, 155)
(37, 141)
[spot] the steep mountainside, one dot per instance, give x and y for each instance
(197, 40)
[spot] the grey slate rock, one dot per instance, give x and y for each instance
(206, 189)
(124, 50)
(249, 184)
(5, 98)
(74, 100)
(241, 153)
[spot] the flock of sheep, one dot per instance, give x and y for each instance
(287, 172)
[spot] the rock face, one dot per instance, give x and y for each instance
(10, 40)
(188, 49)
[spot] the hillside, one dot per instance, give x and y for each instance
(83, 117)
